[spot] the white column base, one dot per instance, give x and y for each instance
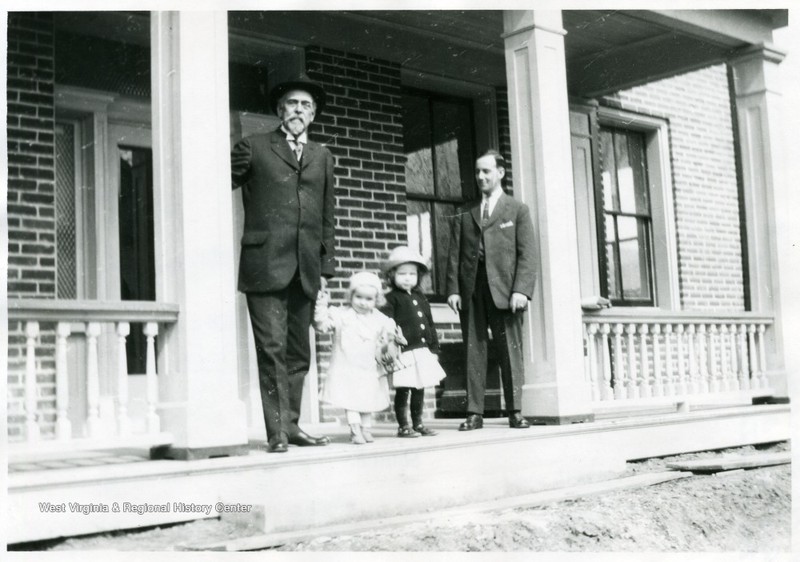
(206, 426)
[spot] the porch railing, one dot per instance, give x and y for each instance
(88, 317)
(675, 358)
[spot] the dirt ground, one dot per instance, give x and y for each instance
(746, 511)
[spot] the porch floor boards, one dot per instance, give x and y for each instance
(314, 486)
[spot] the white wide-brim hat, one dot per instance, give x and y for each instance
(401, 255)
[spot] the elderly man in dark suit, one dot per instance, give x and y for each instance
(287, 250)
(490, 278)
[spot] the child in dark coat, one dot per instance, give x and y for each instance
(418, 366)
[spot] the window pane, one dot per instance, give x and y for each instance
(444, 229)
(638, 161)
(420, 235)
(417, 143)
(452, 137)
(634, 257)
(66, 241)
(625, 186)
(612, 273)
(608, 170)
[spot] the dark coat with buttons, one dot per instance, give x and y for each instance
(288, 213)
(412, 313)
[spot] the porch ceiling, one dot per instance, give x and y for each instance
(606, 50)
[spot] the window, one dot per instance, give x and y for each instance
(624, 208)
(626, 263)
(438, 137)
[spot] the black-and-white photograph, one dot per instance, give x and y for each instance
(373, 277)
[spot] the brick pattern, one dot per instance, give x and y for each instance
(504, 135)
(362, 127)
(31, 206)
(31, 156)
(698, 108)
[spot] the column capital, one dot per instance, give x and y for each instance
(762, 51)
(521, 21)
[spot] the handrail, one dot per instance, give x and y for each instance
(638, 316)
(91, 310)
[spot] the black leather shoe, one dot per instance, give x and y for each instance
(303, 439)
(473, 421)
(279, 447)
(516, 421)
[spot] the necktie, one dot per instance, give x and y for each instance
(298, 150)
(485, 213)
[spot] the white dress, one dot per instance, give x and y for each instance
(355, 381)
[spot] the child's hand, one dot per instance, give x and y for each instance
(323, 298)
(398, 336)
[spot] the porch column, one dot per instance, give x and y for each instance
(758, 98)
(555, 390)
(198, 397)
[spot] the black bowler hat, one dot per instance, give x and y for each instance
(301, 82)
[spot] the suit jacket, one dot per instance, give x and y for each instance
(288, 213)
(509, 252)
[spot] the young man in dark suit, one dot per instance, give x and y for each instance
(287, 250)
(490, 278)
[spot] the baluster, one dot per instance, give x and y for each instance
(619, 368)
(713, 365)
(744, 380)
(591, 334)
(607, 393)
(670, 379)
(658, 382)
(733, 369)
(723, 357)
(681, 387)
(123, 423)
(694, 376)
(153, 421)
(31, 388)
(92, 380)
(703, 361)
(762, 358)
(63, 425)
(633, 388)
(647, 385)
(753, 360)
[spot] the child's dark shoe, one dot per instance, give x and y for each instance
(424, 431)
(406, 431)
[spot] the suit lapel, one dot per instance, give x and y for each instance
(280, 146)
(476, 213)
(499, 210)
(310, 152)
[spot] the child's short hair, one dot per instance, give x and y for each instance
(366, 279)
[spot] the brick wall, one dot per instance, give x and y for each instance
(504, 135)
(31, 204)
(362, 127)
(697, 106)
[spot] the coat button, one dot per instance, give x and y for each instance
(422, 326)
(419, 314)
(422, 340)
(414, 301)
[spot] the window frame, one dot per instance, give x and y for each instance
(483, 103)
(663, 234)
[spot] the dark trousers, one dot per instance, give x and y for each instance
(280, 322)
(480, 314)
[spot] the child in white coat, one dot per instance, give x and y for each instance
(364, 346)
